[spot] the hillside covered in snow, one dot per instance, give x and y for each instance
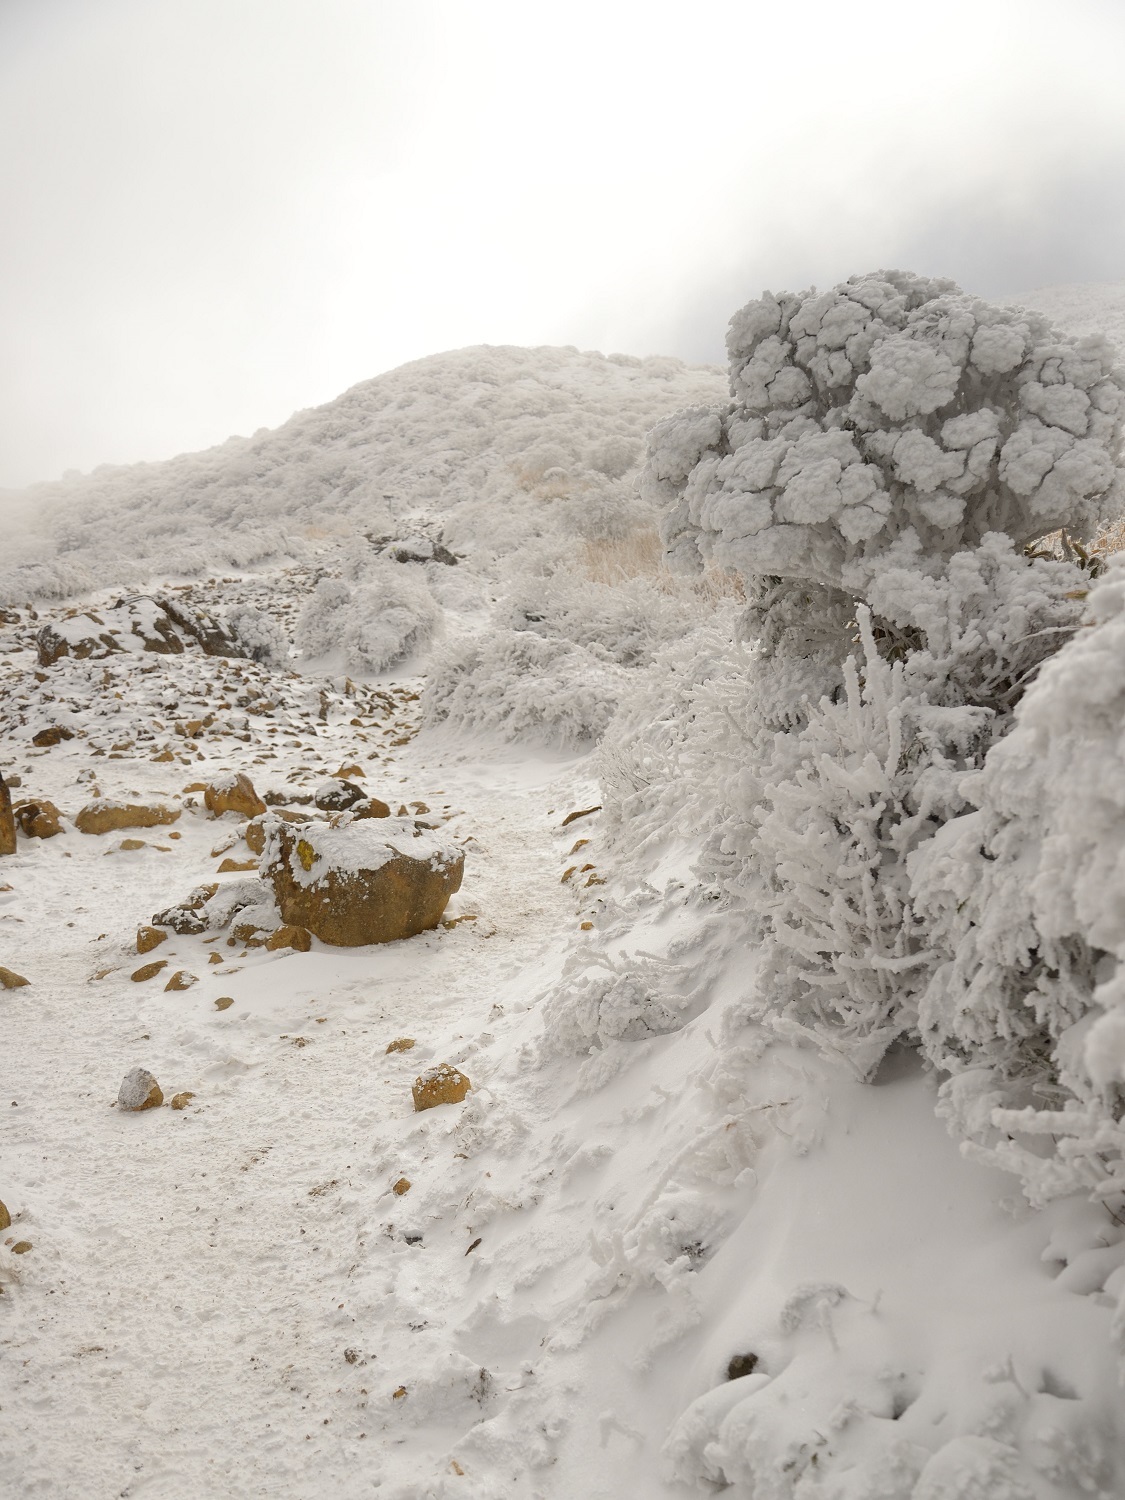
(775, 713)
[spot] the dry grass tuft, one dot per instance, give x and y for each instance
(640, 555)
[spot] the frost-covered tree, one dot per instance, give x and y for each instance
(893, 419)
(890, 451)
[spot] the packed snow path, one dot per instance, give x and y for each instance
(215, 1295)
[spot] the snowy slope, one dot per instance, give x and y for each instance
(465, 437)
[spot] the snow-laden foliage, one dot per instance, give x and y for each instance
(260, 634)
(374, 626)
(893, 418)
(1023, 896)
(626, 623)
(890, 449)
(521, 686)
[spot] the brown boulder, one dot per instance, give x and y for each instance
(139, 1090)
(105, 816)
(370, 807)
(181, 980)
(181, 1101)
(234, 793)
(363, 882)
(401, 1044)
(148, 971)
(10, 980)
(52, 735)
(38, 819)
(237, 866)
(5, 1218)
(7, 820)
(149, 938)
(443, 1084)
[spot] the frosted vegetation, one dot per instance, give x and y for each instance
(917, 751)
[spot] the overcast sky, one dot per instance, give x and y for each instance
(218, 211)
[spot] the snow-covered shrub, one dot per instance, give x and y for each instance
(893, 418)
(626, 623)
(376, 625)
(890, 449)
(260, 634)
(522, 686)
(1025, 899)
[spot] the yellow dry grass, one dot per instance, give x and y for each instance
(640, 555)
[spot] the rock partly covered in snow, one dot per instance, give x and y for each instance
(141, 623)
(103, 815)
(38, 818)
(233, 793)
(139, 1090)
(442, 1084)
(365, 882)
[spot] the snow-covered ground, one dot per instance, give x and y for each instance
(655, 1252)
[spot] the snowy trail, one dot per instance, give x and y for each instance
(213, 1297)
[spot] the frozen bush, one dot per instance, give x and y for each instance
(260, 634)
(625, 623)
(1023, 896)
(889, 450)
(893, 419)
(521, 686)
(374, 626)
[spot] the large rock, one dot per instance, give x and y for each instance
(233, 793)
(140, 623)
(38, 819)
(103, 815)
(7, 820)
(365, 882)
